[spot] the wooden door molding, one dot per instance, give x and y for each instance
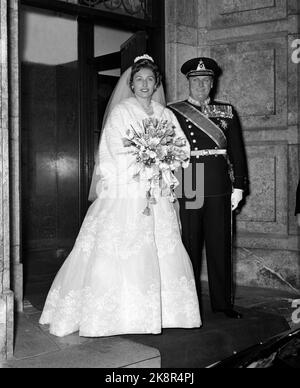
(86, 93)
(96, 15)
(107, 62)
(135, 46)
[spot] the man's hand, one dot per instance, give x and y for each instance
(236, 198)
(298, 220)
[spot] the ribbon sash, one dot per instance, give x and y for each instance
(202, 122)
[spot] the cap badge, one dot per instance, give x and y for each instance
(201, 66)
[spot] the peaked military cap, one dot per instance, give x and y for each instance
(201, 66)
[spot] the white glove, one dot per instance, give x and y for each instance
(236, 197)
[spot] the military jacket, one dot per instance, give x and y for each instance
(217, 179)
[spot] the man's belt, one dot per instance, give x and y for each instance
(208, 152)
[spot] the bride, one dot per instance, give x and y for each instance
(128, 273)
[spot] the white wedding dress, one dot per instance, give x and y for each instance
(128, 273)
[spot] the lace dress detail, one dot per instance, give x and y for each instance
(105, 316)
(128, 273)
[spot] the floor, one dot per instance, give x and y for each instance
(36, 348)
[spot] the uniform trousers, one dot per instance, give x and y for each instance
(211, 226)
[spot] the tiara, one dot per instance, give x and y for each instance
(146, 56)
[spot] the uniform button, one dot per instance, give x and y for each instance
(194, 141)
(190, 127)
(192, 134)
(196, 149)
(198, 157)
(187, 120)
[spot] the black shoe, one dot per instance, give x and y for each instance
(230, 313)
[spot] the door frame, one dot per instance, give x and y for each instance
(96, 15)
(86, 66)
(87, 19)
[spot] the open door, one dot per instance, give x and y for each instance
(132, 48)
(135, 46)
(105, 79)
(51, 152)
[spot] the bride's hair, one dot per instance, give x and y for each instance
(146, 64)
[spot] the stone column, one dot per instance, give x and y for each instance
(15, 153)
(6, 296)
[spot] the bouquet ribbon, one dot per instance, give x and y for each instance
(168, 183)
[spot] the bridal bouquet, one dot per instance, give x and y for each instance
(159, 152)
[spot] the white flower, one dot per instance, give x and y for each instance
(130, 135)
(185, 164)
(175, 165)
(154, 142)
(164, 166)
(151, 154)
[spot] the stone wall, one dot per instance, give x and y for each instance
(252, 41)
(7, 30)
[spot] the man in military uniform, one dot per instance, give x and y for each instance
(214, 133)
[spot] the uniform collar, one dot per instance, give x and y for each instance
(191, 100)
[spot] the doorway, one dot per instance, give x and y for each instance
(69, 68)
(50, 149)
(108, 66)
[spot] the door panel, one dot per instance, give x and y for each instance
(133, 47)
(50, 173)
(68, 149)
(50, 144)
